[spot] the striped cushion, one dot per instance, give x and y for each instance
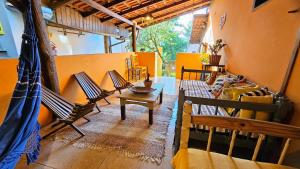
(260, 92)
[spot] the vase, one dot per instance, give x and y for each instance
(148, 84)
(214, 60)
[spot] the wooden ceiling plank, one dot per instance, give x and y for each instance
(183, 10)
(176, 14)
(133, 9)
(106, 5)
(162, 8)
(57, 4)
(108, 12)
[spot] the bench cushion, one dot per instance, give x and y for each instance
(196, 88)
(199, 159)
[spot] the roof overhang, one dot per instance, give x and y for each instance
(198, 28)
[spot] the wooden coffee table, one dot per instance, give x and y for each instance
(147, 100)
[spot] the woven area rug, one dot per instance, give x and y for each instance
(132, 137)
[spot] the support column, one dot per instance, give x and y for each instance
(106, 44)
(134, 36)
(46, 54)
(49, 74)
(291, 65)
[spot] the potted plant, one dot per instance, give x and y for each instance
(147, 81)
(214, 58)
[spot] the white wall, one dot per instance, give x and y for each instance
(15, 19)
(72, 44)
(9, 47)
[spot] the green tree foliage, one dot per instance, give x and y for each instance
(171, 36)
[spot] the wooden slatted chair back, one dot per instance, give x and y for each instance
(263, 128)
(194, 74)
(118, 81)
(60, 107)
(90, 88)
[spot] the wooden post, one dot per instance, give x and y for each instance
(181, 99)
(106, 44)
(49, 75)
(47, 56)
(134, 36)
(109, 45)
(291, 65)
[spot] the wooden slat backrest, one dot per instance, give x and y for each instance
(90, 88)
(118, 80)
(57, 104)
(236, 124)
(198, 74)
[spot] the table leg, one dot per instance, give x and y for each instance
(151, 107)
(123, 109)
(161, 97)
(150, 116)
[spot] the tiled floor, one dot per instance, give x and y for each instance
(60, 156)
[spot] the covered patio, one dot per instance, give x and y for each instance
(260, 55)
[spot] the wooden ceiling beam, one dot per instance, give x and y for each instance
(160, 9)
(108, 12)
(106, 5)
(133, 9)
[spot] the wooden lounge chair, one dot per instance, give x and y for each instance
(65, 111)
(118, 81)
(93, 92)
(196, 158)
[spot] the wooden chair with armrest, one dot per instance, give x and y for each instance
(136, 64)
(132, 72)
(188, 158)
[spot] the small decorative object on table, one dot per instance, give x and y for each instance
(214, 58)
(147, 81)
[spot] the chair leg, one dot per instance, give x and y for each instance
(98, 108)
(88, 120)
(77, 129)
(107, 101)
(54, 131)
(199, 108)
(128, 75)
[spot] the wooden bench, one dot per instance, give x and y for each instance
(188, 158)
(93, 92)
(279, 109)
(65, 111)
(119, 82)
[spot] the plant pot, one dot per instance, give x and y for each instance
(214, 59)
(148, 84)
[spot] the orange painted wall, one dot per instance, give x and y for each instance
(259, 42)
(189, 61)
(8, 78)
(147, 59)
(95, 66)
(259, 46)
